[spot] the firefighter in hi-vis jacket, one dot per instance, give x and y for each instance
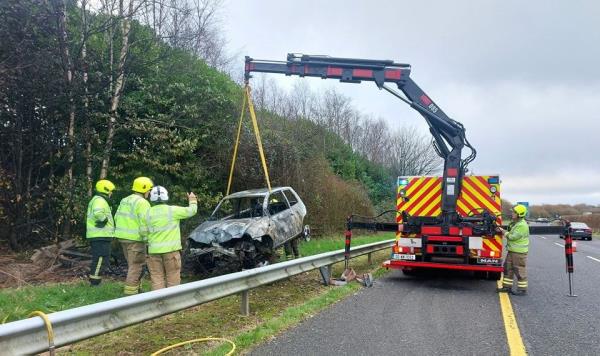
(515, 264)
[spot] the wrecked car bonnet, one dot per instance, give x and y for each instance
(224, 230)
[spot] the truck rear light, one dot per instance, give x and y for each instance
(404, 249)
(429, 249)
(459, 250)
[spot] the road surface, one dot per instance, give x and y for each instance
(454, 313)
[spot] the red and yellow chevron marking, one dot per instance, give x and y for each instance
(425, 195)
(425, 199)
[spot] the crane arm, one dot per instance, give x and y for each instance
(448, 134)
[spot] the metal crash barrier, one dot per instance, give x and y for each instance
(29, 336)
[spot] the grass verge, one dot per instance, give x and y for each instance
(274, 308)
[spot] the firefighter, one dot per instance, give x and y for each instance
(131, 230)
(164, 238)
(515, 264)
(291, 249)
(100, 229)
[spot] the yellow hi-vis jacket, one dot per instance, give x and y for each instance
(163, 224)
(99, 211)
(518, 237)
(130, 218)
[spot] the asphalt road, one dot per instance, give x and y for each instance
(455, 314)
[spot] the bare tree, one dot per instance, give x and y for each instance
(412, 154)
(86, 98)
(192, 25)
(404, 151)
(61, 11)
(119, 83)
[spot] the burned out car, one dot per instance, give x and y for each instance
(245, 229)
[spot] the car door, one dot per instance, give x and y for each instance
(280, 216)
(297, 212)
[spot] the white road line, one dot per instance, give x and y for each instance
(543, 237)
(559, 245)
(592, 258)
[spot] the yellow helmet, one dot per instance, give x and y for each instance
(520, 210)
(104, 186)
(142, 184)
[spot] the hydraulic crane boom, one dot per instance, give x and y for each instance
(448, 134)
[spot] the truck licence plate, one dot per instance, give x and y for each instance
(398, 256)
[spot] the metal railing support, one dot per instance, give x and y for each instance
(245, 303)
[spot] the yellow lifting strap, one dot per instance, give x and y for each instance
(248, 99)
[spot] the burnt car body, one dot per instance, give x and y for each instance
(244, 230)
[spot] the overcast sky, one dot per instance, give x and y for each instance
(522, 76)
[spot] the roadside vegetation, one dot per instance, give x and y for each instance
(18, 303)
(117, 89)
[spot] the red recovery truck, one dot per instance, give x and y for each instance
(447, 222)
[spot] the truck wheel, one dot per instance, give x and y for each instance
(493, 276)
(411, 272)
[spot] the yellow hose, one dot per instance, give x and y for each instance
(197, 340)
(51, 337)
(48, 329)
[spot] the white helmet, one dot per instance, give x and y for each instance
(159, 194)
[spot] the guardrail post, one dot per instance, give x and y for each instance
(325, 274)
(245, 303)
(370, 258)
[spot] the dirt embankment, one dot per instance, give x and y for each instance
(17, 270)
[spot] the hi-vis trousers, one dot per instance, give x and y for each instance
(165, 269)
(515, 265)
(135, 254)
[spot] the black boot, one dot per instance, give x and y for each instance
(94, 281)
(520, 292)
(503, 290)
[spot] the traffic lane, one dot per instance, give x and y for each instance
(591, 247)
(451, 313)
(552, 323)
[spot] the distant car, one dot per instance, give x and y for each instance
(580, 230)
(542, 220)
(245, 229)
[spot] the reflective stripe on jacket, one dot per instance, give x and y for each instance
(518, 237)
(130, 218)
(163, 224)
(99, 211)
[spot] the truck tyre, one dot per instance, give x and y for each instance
(411, 272)
(493, 276)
